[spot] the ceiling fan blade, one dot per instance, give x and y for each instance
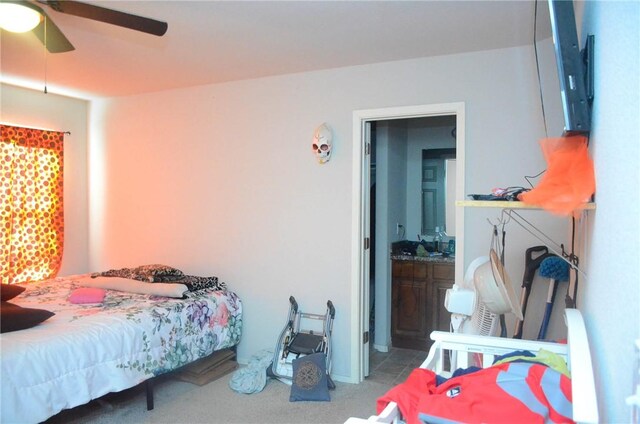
(56, 42)
(110, 16)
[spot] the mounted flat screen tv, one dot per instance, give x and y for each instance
(565, 72)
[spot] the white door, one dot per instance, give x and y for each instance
(433, 195)
(366, 231)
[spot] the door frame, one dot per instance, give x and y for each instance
(359, 355)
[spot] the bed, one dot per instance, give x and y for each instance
(470, 348)
(87, 350)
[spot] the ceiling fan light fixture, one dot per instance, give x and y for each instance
(17, 18)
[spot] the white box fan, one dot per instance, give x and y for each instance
(484, 295)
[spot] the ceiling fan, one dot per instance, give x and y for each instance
(54, 39)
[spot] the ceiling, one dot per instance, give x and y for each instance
(217, 41)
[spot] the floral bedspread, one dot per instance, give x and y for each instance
(86, 351)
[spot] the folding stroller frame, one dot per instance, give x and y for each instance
(296, 341)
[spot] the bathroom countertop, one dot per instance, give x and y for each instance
(440, 259)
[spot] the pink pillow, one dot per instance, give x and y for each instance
(87, 295)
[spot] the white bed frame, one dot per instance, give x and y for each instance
(575, 352)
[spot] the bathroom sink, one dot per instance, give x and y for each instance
(409, 247)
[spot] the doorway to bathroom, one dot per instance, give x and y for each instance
(389, 146)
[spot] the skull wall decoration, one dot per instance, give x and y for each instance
(321, 145)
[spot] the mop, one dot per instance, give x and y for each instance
(557, 270)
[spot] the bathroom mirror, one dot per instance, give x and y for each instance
(438, 191)
(398, 172)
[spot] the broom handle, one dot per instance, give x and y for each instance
(524, 298)
(551, 296)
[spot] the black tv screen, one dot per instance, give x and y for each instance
(562, 70)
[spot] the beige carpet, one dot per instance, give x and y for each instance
(180, 402)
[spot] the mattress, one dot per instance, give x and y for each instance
(87, 350)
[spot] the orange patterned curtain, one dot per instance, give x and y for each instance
(31, 214)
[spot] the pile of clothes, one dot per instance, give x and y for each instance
(519, 387)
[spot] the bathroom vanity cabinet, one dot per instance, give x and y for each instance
(418, 287)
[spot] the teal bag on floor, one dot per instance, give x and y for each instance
(253, 377)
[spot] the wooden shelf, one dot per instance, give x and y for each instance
(508, 208)
(504, 204)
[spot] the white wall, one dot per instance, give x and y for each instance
(29, 108)
(220, 179)
(611, 293)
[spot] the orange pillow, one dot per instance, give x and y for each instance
(569, 180)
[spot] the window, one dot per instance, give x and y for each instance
(31, 209)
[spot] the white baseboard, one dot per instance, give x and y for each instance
(381, 348)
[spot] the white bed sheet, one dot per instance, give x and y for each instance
(86, 351)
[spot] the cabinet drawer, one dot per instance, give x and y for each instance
(443, 271)
(402, 269)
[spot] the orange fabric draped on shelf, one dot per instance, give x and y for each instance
(31, 207)
(569, 180)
